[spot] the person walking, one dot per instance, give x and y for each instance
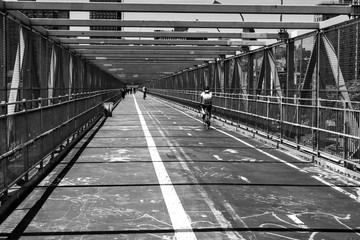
(144, 91)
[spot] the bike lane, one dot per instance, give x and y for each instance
(226, 186)
(262, 192)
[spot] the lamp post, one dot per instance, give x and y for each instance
(244, 48)
(283, 34)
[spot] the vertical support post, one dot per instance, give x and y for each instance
(4, 162)
(3, 52)
(281, 119)
(26, 162)
(314, 94)
(267, 72)
(3, 100)
(41, 130)
(256, 112)
(267, 115)
(345, 143)
(290, 68)
(297, 102)
(357, 49)
(250, 83)
(317, 98)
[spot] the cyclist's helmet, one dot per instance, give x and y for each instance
(207, 89)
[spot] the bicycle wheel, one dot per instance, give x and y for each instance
(206, 120)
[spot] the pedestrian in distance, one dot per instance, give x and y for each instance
(144, 92)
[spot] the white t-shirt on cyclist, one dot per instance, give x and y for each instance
(206, 97)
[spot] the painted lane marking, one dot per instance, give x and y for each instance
(224, 223)
(230, 151)
(244, 179)
(297, 220)
(357, 199)
(337, 188)
(178, 216)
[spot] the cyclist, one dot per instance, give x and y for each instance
(206, 101)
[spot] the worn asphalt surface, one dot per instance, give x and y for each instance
(151, 171)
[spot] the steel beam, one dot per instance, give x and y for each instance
(161, 42)
(180, 8)
(184, 61)
(161, 34)
(120, 56)
(172, 24)
(150, 47)
(153, 52)
(27, 22)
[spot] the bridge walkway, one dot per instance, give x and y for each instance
(151, 171)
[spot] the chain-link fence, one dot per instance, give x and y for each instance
(47, 95)
(305, 91)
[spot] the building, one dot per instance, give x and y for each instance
(106, 15)
(323, 17)
(48, 14)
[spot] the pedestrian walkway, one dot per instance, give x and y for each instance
(151, 171)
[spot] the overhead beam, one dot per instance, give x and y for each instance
(27, 22)
(161, 34)
(150, 47)
(154, 52)
(179, 8)
(172, 24)
(162, 42)
(185, 61)
(159, 56)
(155, 65)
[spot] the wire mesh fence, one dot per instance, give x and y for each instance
(305, 90)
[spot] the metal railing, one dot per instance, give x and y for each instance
(326, 128)
(40, 128)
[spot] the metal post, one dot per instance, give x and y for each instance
(267, 115)
(297, 123)
(41, 130)
(26, 162)
(281, 119)
(318, 93)
(3, 81)
(4, 165)
(345, 143)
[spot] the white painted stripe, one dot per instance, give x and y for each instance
(245, 143)
(178, 216)
(244, 179)
(337, 188)
(263, 152)
(297, 220)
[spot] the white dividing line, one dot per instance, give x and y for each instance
(357, 199)
(178, 216)
(337, 188)
(224, 223)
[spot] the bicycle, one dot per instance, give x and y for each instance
(206, 119)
